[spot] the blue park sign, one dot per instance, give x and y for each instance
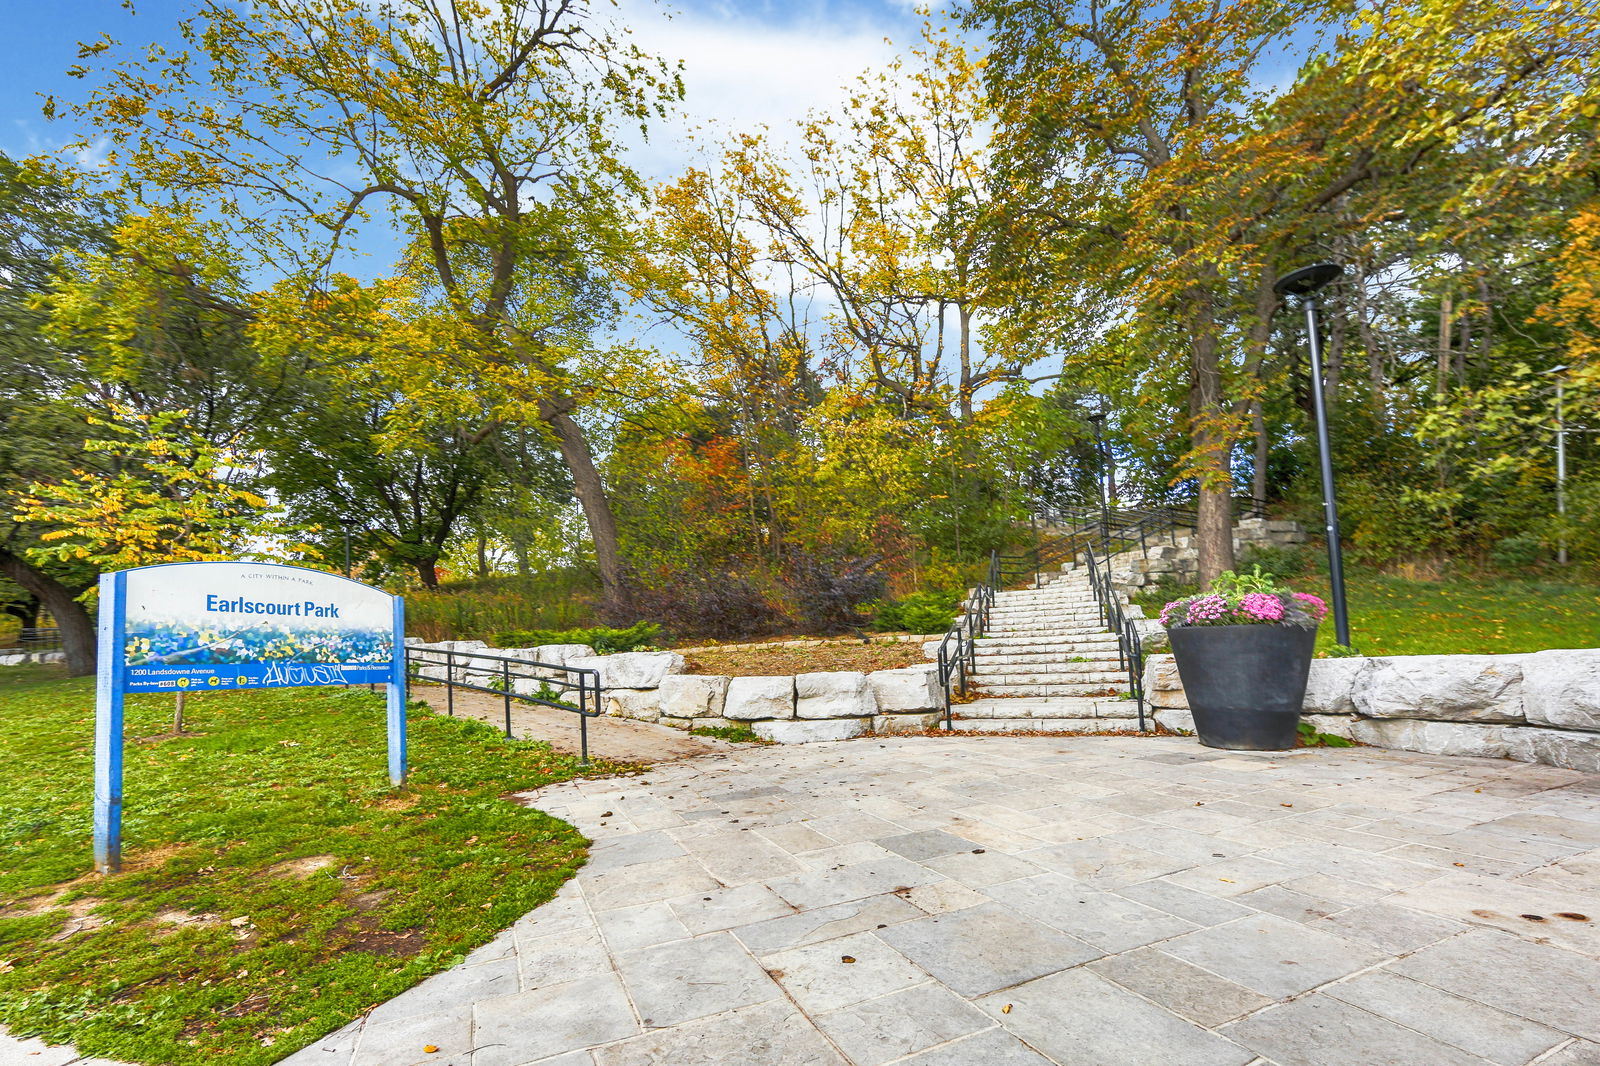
(186, 627)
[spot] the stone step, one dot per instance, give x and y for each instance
(1059, 707)
(1050, 664)
(1001, 664)
(1050, 634)
(1035, 674)
(1056, 621)
(1056, 664)
(1033, 638)
(1030, 691)
(1047, 725)
(1008, 615)
(1037, 725)
(1044, 612)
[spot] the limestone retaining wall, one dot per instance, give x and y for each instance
(1539, 707)
(793, 709)
(17, 657)
(1132, 570)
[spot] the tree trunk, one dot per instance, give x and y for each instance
(428, 571)
(591, 493)
(1441, 380)
(964, 315)
(1210, 444)
(77, 628)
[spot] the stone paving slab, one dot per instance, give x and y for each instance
(1036, 901)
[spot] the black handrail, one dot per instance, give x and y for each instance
(958, 649)
(36, 639)
(1130, 647)
(585, 681)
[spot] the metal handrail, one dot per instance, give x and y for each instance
(36, 639)
(585, 681)
(957, 656)
(1130, 647)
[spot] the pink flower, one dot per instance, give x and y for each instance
(1314, 606)
(1204, 609)
(1261, 607)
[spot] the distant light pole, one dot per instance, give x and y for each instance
(1305, 283)
(1097, 420)
(1561, 463)
(346, 524)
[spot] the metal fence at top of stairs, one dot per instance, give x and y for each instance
(1063, 534)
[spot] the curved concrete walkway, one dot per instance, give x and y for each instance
(1021, 901)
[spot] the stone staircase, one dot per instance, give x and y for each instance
(1047, 662)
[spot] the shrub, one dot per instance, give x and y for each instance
(929, 611)
(603, 639)
(1516, 553)
(1284, 562)
(470, 609)
(828, 590)
(707, 604)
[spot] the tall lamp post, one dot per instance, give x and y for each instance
(1561, 460)
(346, 524)
(1097, 420)
(1305, 284)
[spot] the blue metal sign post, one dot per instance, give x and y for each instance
(235, 626)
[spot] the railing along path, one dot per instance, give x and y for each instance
(566, 688)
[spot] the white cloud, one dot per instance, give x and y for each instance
(741, 73)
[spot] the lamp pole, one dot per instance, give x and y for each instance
(1305, 283)
(1561, 463)
(345, 524)
(1097, 420)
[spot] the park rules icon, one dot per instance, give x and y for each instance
(227, 625)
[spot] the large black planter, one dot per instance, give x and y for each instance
(1245, 684)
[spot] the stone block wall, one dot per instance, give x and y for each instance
(791, 709)
(1539, 707)
(1180, 558)
(21, 658)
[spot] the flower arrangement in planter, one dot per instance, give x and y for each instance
(1243, 650)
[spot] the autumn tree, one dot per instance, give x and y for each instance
(44, 216)
(172, 496)
(481, 130)
(1156, 180)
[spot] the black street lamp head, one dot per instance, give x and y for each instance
(1308, 279)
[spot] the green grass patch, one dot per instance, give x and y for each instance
(275, 886)
(739, 734)
(1476, 615)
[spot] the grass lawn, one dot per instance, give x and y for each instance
(275, 886)
(1398, 616)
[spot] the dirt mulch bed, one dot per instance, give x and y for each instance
(773, 661)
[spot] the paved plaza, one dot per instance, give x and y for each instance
(1021, 901)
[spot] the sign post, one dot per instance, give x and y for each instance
(227, 625)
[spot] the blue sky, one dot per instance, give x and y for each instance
(762, 61)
